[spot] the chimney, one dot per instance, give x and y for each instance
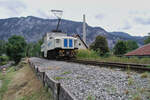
(84, 29)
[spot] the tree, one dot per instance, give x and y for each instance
(100, 45)
(131, 45)
(120, 48)
(29, 49)
(2, 47)
(34, 49)
(147, 40)
(16, 48)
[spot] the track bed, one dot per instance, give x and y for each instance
(100, 83)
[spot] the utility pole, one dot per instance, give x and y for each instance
(84, 29)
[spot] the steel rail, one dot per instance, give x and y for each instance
(139, 67)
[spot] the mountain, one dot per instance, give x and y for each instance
(34, 28)
(126, 36)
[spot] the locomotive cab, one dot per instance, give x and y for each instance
(59, 45)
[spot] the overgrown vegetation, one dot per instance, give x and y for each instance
(2, 47)
(15, 48)
(137, 97)
(93, 55)
(87, 54)
(144, 75)
(34, 49)
(147, 40)
(58, 78)
(6, 80)
(99, 51)
(90, 97)
(38, 95)
(3, 60)
(67, 72)
(131, 45)
(120, 48)
(130, 81)
(22, 85)
(100, 45)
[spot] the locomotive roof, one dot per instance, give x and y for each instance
(56, 34)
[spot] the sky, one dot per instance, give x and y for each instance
(131, 16)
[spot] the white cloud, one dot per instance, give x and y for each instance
(12, 7)
(142, 21)
(100, 16)
(112, 15)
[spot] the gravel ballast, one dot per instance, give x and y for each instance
(87, 82)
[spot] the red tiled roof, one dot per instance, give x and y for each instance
(142, 51)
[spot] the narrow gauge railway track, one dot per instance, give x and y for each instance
(138, 67)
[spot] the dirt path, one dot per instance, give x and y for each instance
(25, 86)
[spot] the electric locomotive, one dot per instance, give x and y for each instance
(57, 44)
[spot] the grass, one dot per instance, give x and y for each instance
(58, 78)
(142, 90)
(3, 63)
(42, 93)
(130, 81)
(148, 66)
(22, 85)
(6, 80)
(144, 75)
(3, 60)
(139, 93)
(87, 54)
(67, 72)
(111, 89)
(137, 97)
(90, 97)
(92, 55)
(128, 70)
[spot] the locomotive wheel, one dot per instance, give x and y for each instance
(49, 55)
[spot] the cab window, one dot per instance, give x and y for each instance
(57, 40)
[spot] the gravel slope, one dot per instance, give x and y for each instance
(98, 83)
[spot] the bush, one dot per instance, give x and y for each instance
(144, 75)
(120, 48)
(34, 49)
(145, 60)
(131, 45)
(87, 54)
(100, 45)
(147, 40)
(2, 47)
(108, 57)
(108, 54)
(21, 64)
(16, 48)
(3, 60)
